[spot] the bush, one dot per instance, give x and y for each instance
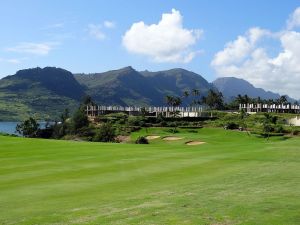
(141, 140)
(79, 120)
(136, 121)
(86, 132)
(45, 133)
(28, 128)
(279, 129)
(106, 133)
(231, 126)
(163, 124)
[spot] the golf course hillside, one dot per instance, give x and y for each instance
(193, 176)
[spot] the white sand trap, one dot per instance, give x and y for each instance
(152, 137)
(171, 138)
(195, 143)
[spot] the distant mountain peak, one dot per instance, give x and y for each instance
(232, 86)
(126, 69)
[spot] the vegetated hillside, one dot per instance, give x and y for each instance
(176, 81)
(129, 87)
(125, 86)
(231, 87)
(43, 93)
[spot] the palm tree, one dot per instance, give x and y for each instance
(214, 99)
(174, 101)
(195, 92)
(246, 99)
(185, 94)
(282, 100)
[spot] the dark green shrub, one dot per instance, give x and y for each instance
(231, 126)
(142, 140)
(45, 133)
(79, 120)
(134, 128)
(105, 133)
(28, 128)
(279, 129)
(163, 124)
(86, 132)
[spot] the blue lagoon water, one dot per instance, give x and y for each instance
(10, 127)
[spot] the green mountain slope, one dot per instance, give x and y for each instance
(43, 93)
(176, 81)
(130, 87)
(122, 87)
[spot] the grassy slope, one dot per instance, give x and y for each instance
(232, 179)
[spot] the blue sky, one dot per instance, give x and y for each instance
(201, 36)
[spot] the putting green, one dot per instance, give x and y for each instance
(232, 179)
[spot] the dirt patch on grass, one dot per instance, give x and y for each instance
(122, 139)
(172, 138)
(195, 143)
(152, 137)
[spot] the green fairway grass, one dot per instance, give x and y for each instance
(231, 179)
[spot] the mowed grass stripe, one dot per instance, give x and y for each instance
(241, 180)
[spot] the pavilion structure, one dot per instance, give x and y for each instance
(276, 108)
(153, 111)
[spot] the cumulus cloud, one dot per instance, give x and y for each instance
(166, 41)
(236, 51)
(95, 31)
(294, 20)
(33, 48)
(249, 57)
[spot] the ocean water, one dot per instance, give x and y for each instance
(10, 127)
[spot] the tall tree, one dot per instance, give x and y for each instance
(282, 100)
(173, 101)
(185, 94)
(195, 92)
(87, 100)
(79, 120)
(214, 99)
(28, 128)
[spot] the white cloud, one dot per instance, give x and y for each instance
(12, 61)
(95, 31)
(166, 41)
(236, 51)
(33, 48)
(294, 19)
(247, 57)
(109, 24)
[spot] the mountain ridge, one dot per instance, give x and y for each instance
(232, 86)
(45, 92)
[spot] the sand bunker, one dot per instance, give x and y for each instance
(195, 143)
(151, 137)
(172, 138)
(122, 139)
